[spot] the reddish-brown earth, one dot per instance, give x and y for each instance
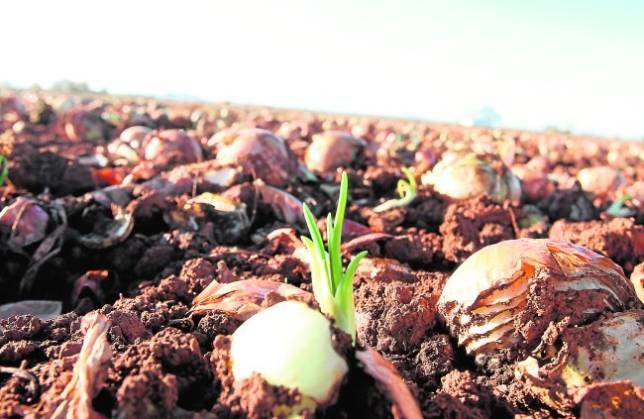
(117, 233)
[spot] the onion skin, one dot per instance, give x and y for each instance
(261, 154)
(331, 150)
(244, 298)
(290, 345)
(285, 206)
(504, 296)
(30, 228)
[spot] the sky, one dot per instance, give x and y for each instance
(574, 64)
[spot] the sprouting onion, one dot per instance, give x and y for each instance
(406, 189)
(617, 208)
(4, 172)
(332, 285)
(290, 344)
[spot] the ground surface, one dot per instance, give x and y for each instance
(107, 225)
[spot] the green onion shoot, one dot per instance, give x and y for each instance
(4, 172)
(407, 190)
(332, 285)
(617, 208)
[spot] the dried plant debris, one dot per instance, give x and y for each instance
(385, 374)
(242, 299)
(111, 231)
(88, 377)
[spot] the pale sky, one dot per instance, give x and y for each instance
(572, 64)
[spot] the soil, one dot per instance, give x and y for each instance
(119, 237)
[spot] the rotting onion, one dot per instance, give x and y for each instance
(606, 351)
(504, 296)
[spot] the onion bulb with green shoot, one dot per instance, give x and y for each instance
(407, 190)
(291, 344)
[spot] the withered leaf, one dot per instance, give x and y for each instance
(242, 299)
(404, 405)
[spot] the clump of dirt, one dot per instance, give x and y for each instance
(395, 316)
(473, 224)
(171, 359)
(417, 248)
(621, 239)
(460, 396)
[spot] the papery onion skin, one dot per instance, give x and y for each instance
(30, 228)
(289, 344)
(503, 297)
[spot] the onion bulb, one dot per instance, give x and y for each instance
(601, 181)
(290, 344)
(503, 297)
(463, 176)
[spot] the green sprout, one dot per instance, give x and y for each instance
(617, 208)
(4, 172)
(332, 285)
(406, 190)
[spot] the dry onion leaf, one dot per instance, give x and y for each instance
(362, 241)
(242, 299)
(404, 404)
(285, 206)
(89, 373)
(114, 232)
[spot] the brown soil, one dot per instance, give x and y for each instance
(121, 239)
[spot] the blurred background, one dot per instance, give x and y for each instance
(573, 66)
